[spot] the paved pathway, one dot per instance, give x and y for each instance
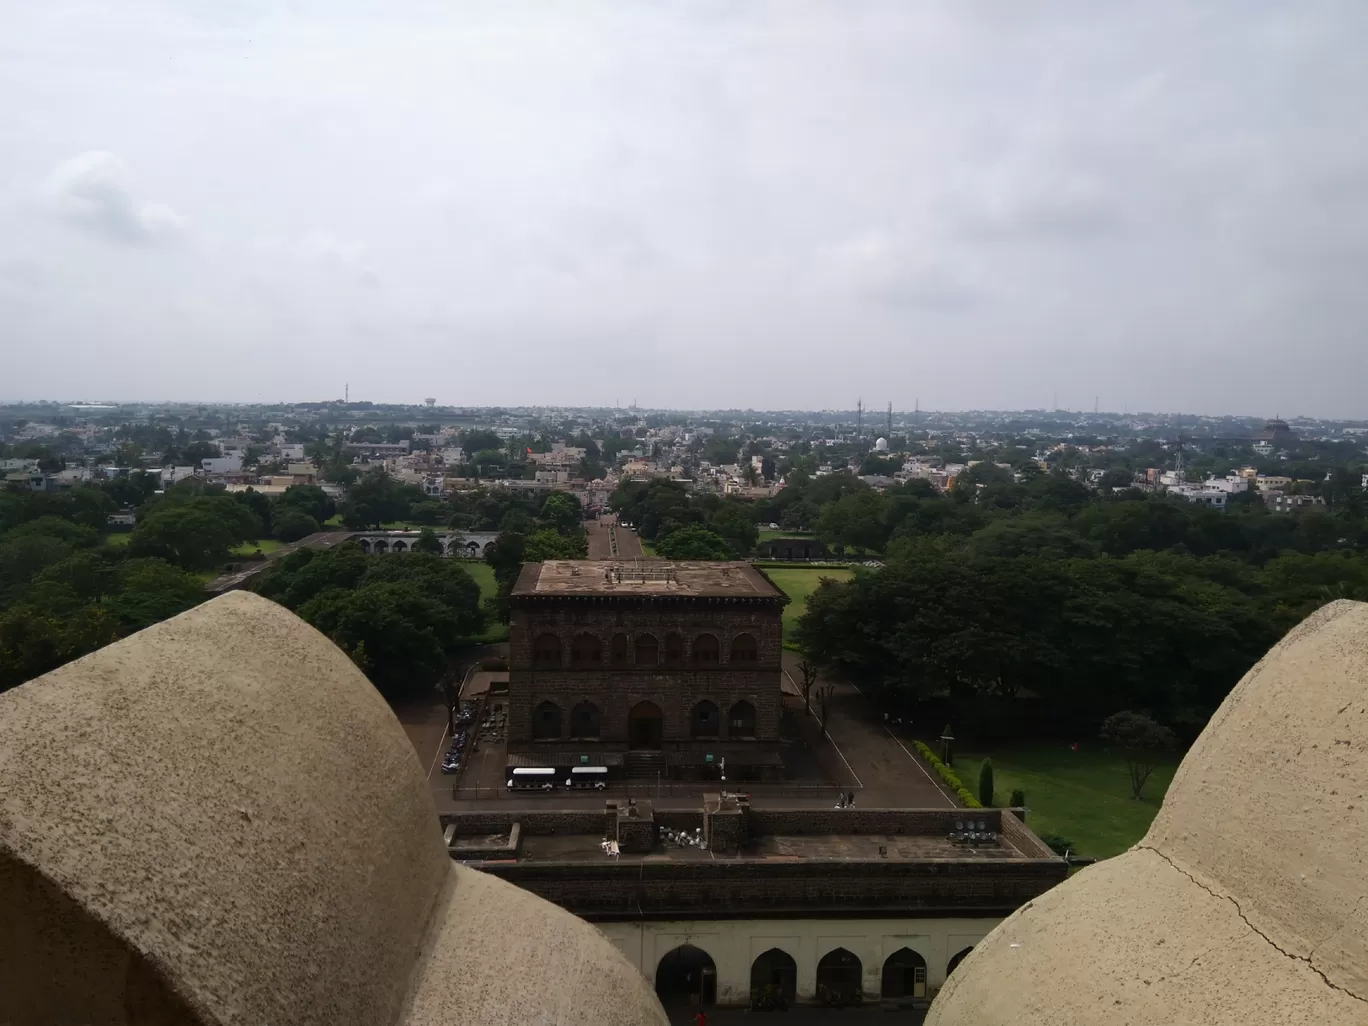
(604, 532)
(891, 774)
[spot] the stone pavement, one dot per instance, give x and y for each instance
(889, 772)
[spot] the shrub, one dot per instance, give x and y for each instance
(948, 775)
(985, 789)
(1018, 800)
(1059, 845)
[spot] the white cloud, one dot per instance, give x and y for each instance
(93, 190)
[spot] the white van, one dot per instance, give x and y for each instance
(585, 778)
(532, 778)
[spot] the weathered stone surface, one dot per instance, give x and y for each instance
(218, 820)
(1247, 902)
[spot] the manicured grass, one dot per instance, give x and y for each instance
(483, 575)
(647, 547)
(1083, 795)
(768, 535)
(798, 584)
(119, 540)
(266, 545)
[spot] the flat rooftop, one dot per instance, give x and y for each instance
(686, 579)
(780, 848)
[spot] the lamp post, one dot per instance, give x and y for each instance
(947, 739)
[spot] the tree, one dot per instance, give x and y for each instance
(194, 533)
(195, 452)
(985, 784)
(807, 673)
(428, 542)
(309, 499)
(693, 542)
(32, 643)
(149, 591)
(1144, 743)
(293, 524)
(261, 506)
(562, 512)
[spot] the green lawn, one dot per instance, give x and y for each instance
(483, 575)
(266, 545)
(1083, 796)
(768, 535)
(798, 584)
(118, 540)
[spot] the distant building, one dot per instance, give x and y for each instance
(221, 464)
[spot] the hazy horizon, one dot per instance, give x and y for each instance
(706, 205)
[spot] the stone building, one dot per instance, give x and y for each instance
(669, 667)
(814, 905)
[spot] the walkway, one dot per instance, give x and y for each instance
(609, 541)
(891, 774)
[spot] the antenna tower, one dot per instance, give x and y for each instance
(859, 419)
(346, 392)
(889, 435)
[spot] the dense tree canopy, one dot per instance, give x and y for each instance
(399, 617)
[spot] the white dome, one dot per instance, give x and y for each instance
(881, 444)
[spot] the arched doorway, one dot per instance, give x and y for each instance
(957, 959)
(645, 725)
(840, 976)
(686, 976)
(380, 546)
(703, 720)
(904, 975)
(400, 546)
(774, 979)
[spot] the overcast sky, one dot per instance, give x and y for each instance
(717, 203)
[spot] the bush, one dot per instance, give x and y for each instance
(985, 788)
(293, 525)
(1057, 844)
(1018, 800)
(948, 775)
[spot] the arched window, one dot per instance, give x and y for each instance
(744, 649)
(904, 975)
(741, 720)
(586, 650)
(546, 650)
(839, 977)
(546, 722)
(585, 720)
(647, 650)
(706, 650)
(674, 650)
(703, 720)
(618, 650)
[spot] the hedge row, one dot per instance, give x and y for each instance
(965, 796)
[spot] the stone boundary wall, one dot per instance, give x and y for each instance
(478, 852)
(1016, 833)
(932, 822)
